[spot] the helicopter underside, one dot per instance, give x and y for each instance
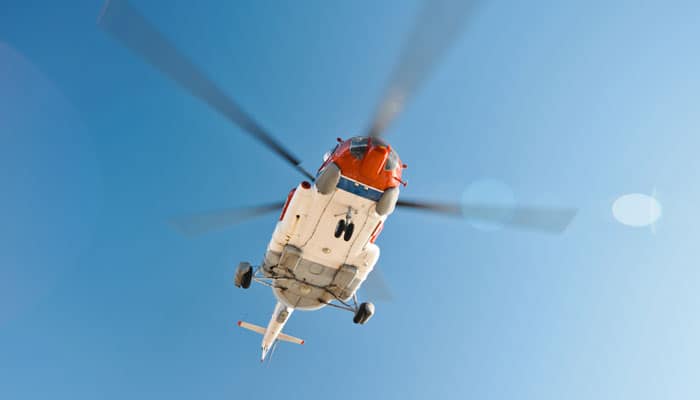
(303, 284)
(321, 249)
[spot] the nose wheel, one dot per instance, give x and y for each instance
(345, 227)
(340, 228)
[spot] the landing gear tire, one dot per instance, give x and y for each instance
(348, 232)
(339, 228)
(363, 313)
(244, 275)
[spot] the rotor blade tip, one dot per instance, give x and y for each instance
(101, 14)
(181, 228)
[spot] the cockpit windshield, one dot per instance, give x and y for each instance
(379, 142)
(360, 144)
(358, 147)
(392, 161)
(330, 153)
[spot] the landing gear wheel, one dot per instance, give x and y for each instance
(363, 313)
(348, 232)
(244, 275)
(340, 228)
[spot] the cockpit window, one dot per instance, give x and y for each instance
(392, 161)
(330, 153)
(358, 147)
(379, 142)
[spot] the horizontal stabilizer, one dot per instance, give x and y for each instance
(261, 330)
(290, 339)
(251, 327)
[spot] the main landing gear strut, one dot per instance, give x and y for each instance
(362, 312)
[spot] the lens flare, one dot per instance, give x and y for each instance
(636, 209)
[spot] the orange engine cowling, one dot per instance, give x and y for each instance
(373, 163)
(369, 161)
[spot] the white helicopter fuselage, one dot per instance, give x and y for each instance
(322, 250)
(310, 264)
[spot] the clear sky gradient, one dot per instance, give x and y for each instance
(567, 103)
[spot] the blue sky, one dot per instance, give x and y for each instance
(568, 103)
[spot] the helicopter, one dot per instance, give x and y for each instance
(323, 246)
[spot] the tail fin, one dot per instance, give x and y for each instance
(261, 330)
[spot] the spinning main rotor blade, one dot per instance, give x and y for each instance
(125, 23)
(375, 287)
(436, 28)
(198, 224)
(543, 219)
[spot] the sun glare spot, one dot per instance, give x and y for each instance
(636, 209)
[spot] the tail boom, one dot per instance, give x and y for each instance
(273, 332)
